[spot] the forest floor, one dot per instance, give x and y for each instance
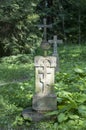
(17, 79)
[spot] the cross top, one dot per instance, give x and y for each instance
(55, 40)
(45, 26)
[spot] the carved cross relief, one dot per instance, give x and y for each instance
(45, 75)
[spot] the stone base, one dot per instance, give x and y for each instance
(34, 116)
(44, 103)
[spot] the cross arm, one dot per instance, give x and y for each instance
(47, 26)
(58, 41)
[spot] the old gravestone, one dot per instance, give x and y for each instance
(55, 41)
(44, 98)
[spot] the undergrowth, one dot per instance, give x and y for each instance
(17, 88)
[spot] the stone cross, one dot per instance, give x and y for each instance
(44, 98)
(55, 52)
(45, 26)
(55, 41)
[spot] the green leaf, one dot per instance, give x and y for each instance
(27, 117)
(62, 117)
(78, 70)
(73, 116)
(52, 113)
(82, 110)
(81, 98)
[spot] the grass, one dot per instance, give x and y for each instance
(72, 56)
(17, 84)
(14, 69)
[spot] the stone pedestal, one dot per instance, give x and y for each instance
(44, 98)
(35, 116)
(44, 103)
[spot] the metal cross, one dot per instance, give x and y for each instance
(45, 26)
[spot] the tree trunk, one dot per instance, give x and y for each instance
(79, 23)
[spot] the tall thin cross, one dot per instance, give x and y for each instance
(45, 26)
(55, 52)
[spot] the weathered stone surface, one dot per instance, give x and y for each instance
(45, 103)
(35, 116)
(44, 98)
(28, 113)
(44, 74)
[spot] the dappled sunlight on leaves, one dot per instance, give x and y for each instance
(17, 82)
